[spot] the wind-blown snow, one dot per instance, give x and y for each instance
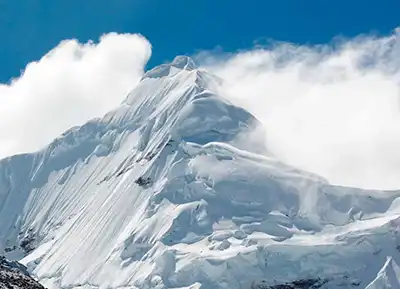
(331, 109)
(162, 192)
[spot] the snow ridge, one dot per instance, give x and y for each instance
(388, 277)
(160, 193)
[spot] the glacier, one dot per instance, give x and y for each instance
(165, 192)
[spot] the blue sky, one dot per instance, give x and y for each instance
(30, 28)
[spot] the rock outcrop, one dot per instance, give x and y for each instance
(14, 275)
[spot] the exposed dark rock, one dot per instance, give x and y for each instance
(150, 156)
(355, 284)
(10, 249)
(298, 284)
(14, 275)
(27, 243)
(142, 181)
(170, 142)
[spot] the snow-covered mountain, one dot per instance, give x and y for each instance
(165, 192)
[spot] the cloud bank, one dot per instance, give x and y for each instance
(68, 86)
(330, 109)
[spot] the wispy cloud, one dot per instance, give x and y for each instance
(68, 86)
(330, 109)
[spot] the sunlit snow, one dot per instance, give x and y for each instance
(163, 192)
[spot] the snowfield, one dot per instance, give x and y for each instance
(164, 192)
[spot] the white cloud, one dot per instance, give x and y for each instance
(70, 85)
(331, 109)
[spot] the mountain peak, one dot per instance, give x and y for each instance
(167, 192)
(184, 62)
(179, 63)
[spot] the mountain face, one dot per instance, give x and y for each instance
(14, 275)
(165, 192)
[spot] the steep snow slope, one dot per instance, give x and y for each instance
(164, 193)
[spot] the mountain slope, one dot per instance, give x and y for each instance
(164, 193)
